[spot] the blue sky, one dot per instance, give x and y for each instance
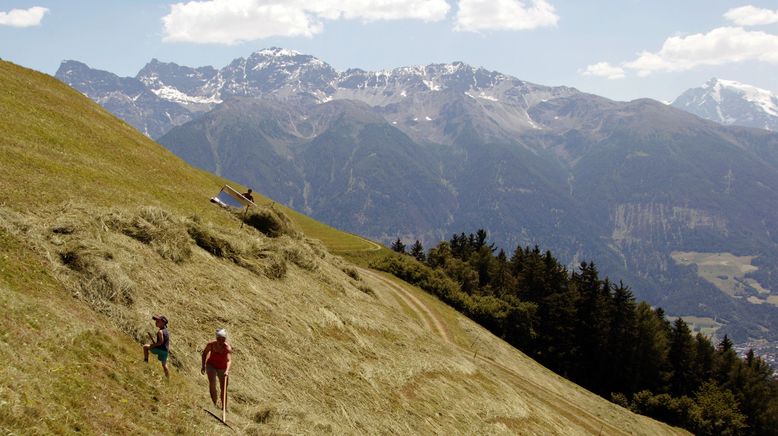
(621, 49)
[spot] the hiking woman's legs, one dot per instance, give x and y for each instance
(221, 386)
(212, 385)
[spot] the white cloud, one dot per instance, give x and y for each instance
(722, 45)
(751, 16)
(603, 69)
(234, 21)
(374, 10)
(23, 17)
(231, 21)
(477, 15)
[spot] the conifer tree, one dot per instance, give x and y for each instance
(555, 340)
(622, 344)
(461, 246)
(483, 263)
(517, 261)
(593, 327)
(398, 246)
(502, 282)
(417, 251)
(651, 350)
(703, 359)
(681, 358)
(725, 361)
(480, 239)
(759, 396)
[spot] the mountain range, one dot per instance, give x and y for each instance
(681, 208)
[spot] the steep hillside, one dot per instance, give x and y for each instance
(100, 228)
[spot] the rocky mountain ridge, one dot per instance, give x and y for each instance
(175, 94)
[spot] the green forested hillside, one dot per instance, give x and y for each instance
(592, 331)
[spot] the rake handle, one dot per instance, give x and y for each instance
(224, 399)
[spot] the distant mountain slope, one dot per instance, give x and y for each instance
(732, 103)
(125, 97)
(320, 154)
(100, 228)
(664, 181)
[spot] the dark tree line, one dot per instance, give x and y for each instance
(593, 332)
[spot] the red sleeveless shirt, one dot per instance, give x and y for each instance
(218, 360)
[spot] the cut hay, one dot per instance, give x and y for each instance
(300, 255)
(243, 253)
(351, 272)
(274, 267)
(264, 414)
(269, 221)
(367, 290)
(210, 241)
(100, 279)
(158, 228)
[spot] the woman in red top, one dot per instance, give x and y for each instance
(216, 361)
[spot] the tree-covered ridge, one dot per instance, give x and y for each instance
(593, 332)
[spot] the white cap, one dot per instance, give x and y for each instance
(221, 333)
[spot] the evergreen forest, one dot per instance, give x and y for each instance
(593, 332)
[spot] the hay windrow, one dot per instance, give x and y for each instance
(317, 247)
(158, 228)
(274, 267)
(367, 290)
(100, 279)
(211, 242)
(269, 221)
(244, 252)
(301, 255)
(351, 272)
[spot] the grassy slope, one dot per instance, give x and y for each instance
(317, 351)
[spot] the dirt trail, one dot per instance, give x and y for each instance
(431, 321)
(374, 246)
(554, 401)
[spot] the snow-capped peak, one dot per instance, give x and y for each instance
(277, 52)
(763, 98)
(283, 57)
(732, 102)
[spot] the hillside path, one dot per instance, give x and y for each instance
(431, 320)
(374, 246)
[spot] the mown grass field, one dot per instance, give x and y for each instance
(100, 228)
(724, 270)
